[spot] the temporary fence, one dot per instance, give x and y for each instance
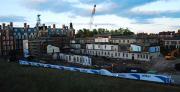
(165, 79)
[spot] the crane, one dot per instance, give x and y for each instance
(92, 17)
(90, 24)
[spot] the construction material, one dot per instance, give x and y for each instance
(171, 55)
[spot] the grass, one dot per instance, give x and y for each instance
(17, 78)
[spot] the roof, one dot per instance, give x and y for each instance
(146, 44)
(123, 37)
(173, 38)
(167, 33)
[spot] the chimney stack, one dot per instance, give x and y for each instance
(63, 26)
(71, 25)
(25, 25)
(54, 26)
(11, 24)
(3, 26)
(8, 26)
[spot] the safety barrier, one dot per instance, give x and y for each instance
(136, 76)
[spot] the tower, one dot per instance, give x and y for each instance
(71, 31)
(38, 24)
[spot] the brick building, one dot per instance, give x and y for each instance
(7, 40)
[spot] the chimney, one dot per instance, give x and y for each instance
(71, 25)
(3, 26)
(54, 26)
(8, 26)
(63, 26)
(44, 27)
(11, 24)
(25, 25)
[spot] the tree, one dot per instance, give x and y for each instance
(127, 32)
(87, 33)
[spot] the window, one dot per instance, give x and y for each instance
(11, 38)
(69, 58)
(12, 47)
(173, 42)
(98, 46)
(167, 42)
(146, 56)
(112, 48)
(3, 37)
(119, 54)
(126, 55)
(77, 59)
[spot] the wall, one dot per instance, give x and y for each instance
(89, 46)
(122, 40)
(136, 48)
(52, 49)
(122, 55)
(101, 47)
(154, 49)
(101, 40)
(25, 48)
(169, 43)
(75, 46)
(83, 60)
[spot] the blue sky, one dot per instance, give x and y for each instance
(137, 15)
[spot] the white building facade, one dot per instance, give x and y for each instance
(79, 59)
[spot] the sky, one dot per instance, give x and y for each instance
(151, 16)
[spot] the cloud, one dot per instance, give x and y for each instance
(84, 7)
(142, 21)
(158, 7)
(78, 7)
(138, 15)
(12, 18)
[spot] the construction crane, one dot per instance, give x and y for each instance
(92, 20)
(92, 17)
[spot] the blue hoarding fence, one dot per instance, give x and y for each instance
(137, 76)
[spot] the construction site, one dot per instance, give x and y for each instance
(134, 53)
